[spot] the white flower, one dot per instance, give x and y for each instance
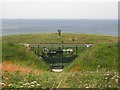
(35, 82)
(6, 78)
(116, 80)
(32, 85)
(21, 86)
(106, 78)
(10, 85)
(117, 76)
(112, 78)
(38, 84)
(26, 84)
(20, 82)
(2, 84)
(107, 74)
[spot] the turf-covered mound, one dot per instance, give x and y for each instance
(95, 67)
(100, 56)
(66, 38)
(20, 55)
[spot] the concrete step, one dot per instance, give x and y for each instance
(57, 70)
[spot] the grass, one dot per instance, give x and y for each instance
(100, 56)
(88, 79)
(11, 67)
(20, 55)
(95, 67)
(53, 38)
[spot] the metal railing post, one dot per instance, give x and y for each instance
(76, 50)
(62, 57)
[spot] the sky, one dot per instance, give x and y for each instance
(59, 9)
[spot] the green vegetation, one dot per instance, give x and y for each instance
(100, 56)
(53, 38)
(19, 54)
(95, 67)
(100, 79)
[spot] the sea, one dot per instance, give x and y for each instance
(36, 26)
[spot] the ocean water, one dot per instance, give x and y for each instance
(86, 26)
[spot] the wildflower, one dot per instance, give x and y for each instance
(106, 78)
(27, 84)
(115, 72)
(6, 78)
(24, 84)
(21, 86)
(20, 82)
(10, 85)
(86, 87)
(107, 74)
(116, 80)
(117, 76)
(35, 82)
(2, 84)
(112, 78)
(32, 85)
(38, 84)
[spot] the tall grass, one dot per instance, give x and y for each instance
(95, 67)
(19, 54)
(88, 79)
(100, 56)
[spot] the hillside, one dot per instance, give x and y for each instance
(53, 38)
(20, 55)
(95, 67)
(100, 56)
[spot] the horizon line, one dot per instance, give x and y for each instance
(62, 18)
